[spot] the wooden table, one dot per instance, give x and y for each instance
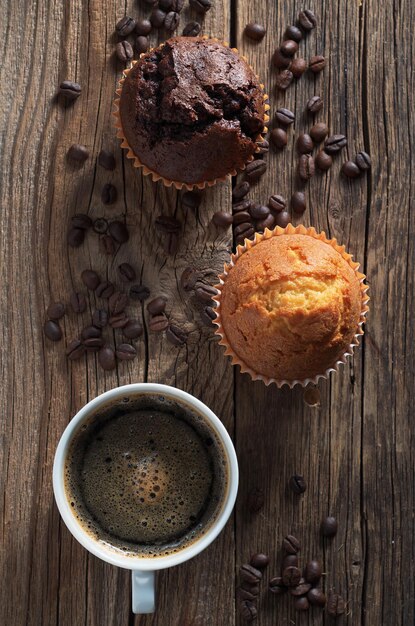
(356, 449)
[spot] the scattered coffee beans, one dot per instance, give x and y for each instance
(279, 137)
(158, 323)
(106, 159)
(157, 305)
(117, 302)
(290, 560)
(350, 169)
(248, 611)
(315, 104)
(306, 167)
(277, 203)
(284, 80)
(221, 219)
(80, 220)
(291, 576)
(125, 26)
(317, 64)
(118, 231)
(126, 272)
(323, 161)
(335, 605)
(250, 574)
(291, 544)
(318, 132)
(258, 212)
(289, 47)
(201, 6)
(55, 311)
(192, 29)
(301, 604)
(141, 44)
(208, 315)
(298, 67)
(335, 143)
(285, 116)
(78, 302)
(90, 279)
(119, 320)
(262, 147)
(259, 561)
(305, 144)
(52, 330)
(329, 527)
(100, 318)
(254, 170)
(139, 292)
(282, 219)
(105, 290)
(75, 349)
(255, 31)
(124, 51)
(312, 572)
(133, 329)
(171, 21)
(189, 278)
(307, 20)
(90, 332)
(69, 90)
(276, 586)
(280, 60)
(100, 226)
(205, 292)
(106, 358)
(143, 27)
(109, 194)
(157, 18)
(240, 190)
(294, 33)
(176, 335)
(316, 597)
(363, 161)
(78, 153)
(298, 484)
(298, 202)
(301, 589)
(125, 352)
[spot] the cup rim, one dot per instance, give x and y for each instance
(67, 513)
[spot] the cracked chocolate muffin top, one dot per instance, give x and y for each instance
(192, 110)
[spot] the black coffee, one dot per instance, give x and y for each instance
(146, 476)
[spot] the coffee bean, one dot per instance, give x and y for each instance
(78, 302)
(318, 132)
(363, 161)
(75, 349)
(276, 586)
(139, 292)
(158, 323)
(294, 33)
(298, 484)
(119, 320)
(242, 232)
(307, 20)
(117, 302)
(305, 144)
(124, 51)
(317, 64)
(192, 29)
(166, 5)
(301, 589)
(90, 279)
(316, 597)
(329, 527)
(335, 143)
(52, 330)
(306, 168)
(78, 153)
(143, 27)
(167, 224)
(176, 335)
(268, 222)
(240, 190)
(259, 561)
(301, 604)
(335, 605)
(262, 147)
(289, 47)
(157, 18)
(290, 560)
(243, 205)
(157, 305)
(279, 137)
(298, 202)
(241, 217)
(126, 272)
(93, 344)
(248, 610)
(246, 594)
(291, 544)
(284, 80)
(280, 60)
(171, 21)
(315, 104)
(107, 245)
(105, 290)
(255, 31)
(204, 292)
(133, 329)
(208, 315)
(201, 6)
(254, 170)
(125, 26)
(350, 169)
(312, 572)
(55, 310)
(255, 500)
(250, 574)
(298, 67)
(258, 211)
(285, 116)
(277, 203)
(100, 225)
(188, 278)
(106, 358)
(221, 219)
(100, 318)
(69, 90)
(323, 161)
(177, 5)
(291, 576)
(90, 332)
(109, 194)
(282, 219)
(125, 352)
(192, 199)
(80, 220)
(119, 231)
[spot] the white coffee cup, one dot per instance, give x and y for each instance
(143, 569)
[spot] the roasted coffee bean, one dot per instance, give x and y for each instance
(291, 544)
(243, 229)
(69, 90)
(240, 239)
(258, 211)
(78, 153)
(139, 292)
(316, 597)
(126, 272)
(290, 560)
(125, 352)
(192, 199)
(363, 161)
(268, 222)
(306, 168)
(335, 604)
(52, 330)
(250, 574)
(157, 305)
(157, 17)
(90, 332)
(117, 302)
(243, 205)
(262, 147)
(255, 31)
(100, 225)
(284, 80)
(141, 44)
(143, 27)
(289, 47)
(254, 170)
(133, 329)
(282, 219)
(335, 143)
(119, 320)
(329, 527)
(106, 358)
(241, 217)
(317, 64)
(93, 344)
(298, 67)
(124, 51)
(100, 318)
(107, 244)
(350, 169)
(188, 278)
(240, 191)
(176, 335)
(208, 315)
(301, 589)
(279, 137)
(318, 132)
(125, 26)
(307, 20)
(276, 586)
(166, 5)
(75, 349)
(119, 231)
(158, 323)
(177, 5)
(246, 594)
(323, 161)
(55, 310)
(259, 560)
(105, 290)
(192, 29)
(280, 60)
(312, 572)
(291, 576)
(109, 193)
(171, 21)
(248, 609)
(106, 158)
(301, 604)
(221, 219)
(298, 202)
(298, 483)
(285, 116)
(167, 224)
(78, 302)
(90, 279)
(205, 292)
(277, 203)
(315, 104)
(80, 220)
(294, 33)
(305, 144)
(201, 6)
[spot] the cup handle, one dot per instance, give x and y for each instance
(143, 592)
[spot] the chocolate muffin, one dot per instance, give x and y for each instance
(191, 111)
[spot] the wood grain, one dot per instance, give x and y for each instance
(355, 449)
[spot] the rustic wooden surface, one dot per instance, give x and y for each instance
(355, 449)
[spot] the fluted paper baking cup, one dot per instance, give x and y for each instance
(278, 232)
(154, 175)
